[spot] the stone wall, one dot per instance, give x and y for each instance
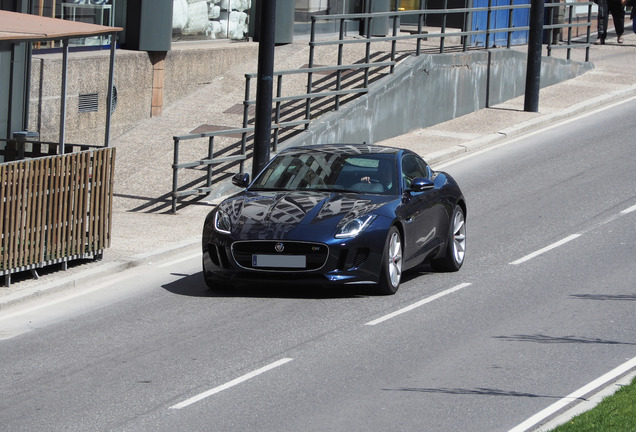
(185, 69)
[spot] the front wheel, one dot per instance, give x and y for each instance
(391, 271)
(456, 244)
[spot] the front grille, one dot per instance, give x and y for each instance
(314, 255)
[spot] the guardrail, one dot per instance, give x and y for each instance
(351, 80)
(55, 209)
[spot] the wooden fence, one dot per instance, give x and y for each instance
(55, 209)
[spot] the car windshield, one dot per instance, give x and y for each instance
(322, 171)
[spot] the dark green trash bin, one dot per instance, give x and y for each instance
(284, 32)
(377, 26)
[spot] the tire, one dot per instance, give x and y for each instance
(391, 271)
(453, 259)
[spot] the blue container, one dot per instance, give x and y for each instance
(499, 19)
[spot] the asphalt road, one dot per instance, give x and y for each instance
(543, 306)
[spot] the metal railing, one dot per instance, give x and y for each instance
(19, 149)
(55, 209)
(343, 82)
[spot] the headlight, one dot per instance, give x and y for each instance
(355, 227)
(222, 222)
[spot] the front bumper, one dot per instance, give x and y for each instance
(349, 261)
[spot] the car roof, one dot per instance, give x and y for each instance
(344, 149)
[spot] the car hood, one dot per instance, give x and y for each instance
(288, 215)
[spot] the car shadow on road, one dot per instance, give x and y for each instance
(194, 286)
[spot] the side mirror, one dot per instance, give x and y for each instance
(241, 180)
(420, 184)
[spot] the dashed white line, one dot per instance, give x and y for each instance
(629, 210)
(232, 383)
(417, 304)
(545, 249)
(542, 415)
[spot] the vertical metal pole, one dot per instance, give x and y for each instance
(467, 20)
(246, 112)
(488, 16)
(175, 175)
(570, 11)
(443, 38)
(279, 93)
(210, 159)
(420, 24)
(510, 24)
(14, 48)
(27, 86)
(264, 86)
(60, 150)
(587, 35)
(111, 80)
(395, 31)
(339, 71)
(533, 71)
(312, 38)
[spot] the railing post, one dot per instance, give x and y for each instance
(420, 24)
(589, 30)
(208, 182)
(63, 97)
(569, 30)
(466, 21)
(246, 111)
(488, 16)
(442, 39)
(279, 86)
(175, 175)
(395, 30)
(339, 72)
(312, 39)
(510, 18)
(550, 23)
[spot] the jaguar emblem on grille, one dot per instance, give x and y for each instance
(279, 247)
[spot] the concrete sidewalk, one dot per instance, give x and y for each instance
(142, 234)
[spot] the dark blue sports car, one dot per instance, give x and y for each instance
(336, 214)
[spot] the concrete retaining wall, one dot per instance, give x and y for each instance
(431, 89)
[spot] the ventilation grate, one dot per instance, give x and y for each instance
(88, 103)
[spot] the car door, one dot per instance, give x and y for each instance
(422, 212)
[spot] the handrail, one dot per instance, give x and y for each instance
(338, 89)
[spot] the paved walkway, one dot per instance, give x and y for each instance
(143, 229)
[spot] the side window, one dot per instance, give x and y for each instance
(412, 167)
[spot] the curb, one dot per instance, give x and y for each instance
(531, 125)
(100, 271)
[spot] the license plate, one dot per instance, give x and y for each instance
(280, 261)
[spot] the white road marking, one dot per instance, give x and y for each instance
(232, 383)
(417, 304)
(545, 249)
(629, 210)
(580, 393)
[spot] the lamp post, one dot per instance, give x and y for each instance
(264, 86)
(533, 70)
